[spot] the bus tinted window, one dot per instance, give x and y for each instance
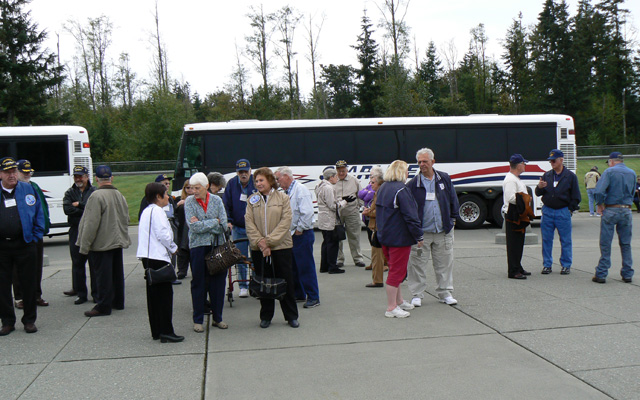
(322, 148)
(222, 150)
(519, 139)
(48, 156)
(275, 148)
(481, 144)
(441, 140)
(373, 147)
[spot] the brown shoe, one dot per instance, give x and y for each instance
(7, 329)
(42, 303)
(374, 285)
(30, 328)
(368, 267)
(70, 293)
(94, 313)
(19, 304)
(385, 269)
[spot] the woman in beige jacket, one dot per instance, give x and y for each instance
(267, 221)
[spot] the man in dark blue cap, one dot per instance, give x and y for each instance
(235, 202)
(73, 203)
(614, 196)
(560, 193)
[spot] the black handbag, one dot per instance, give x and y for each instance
(224, 256)
(339, 231)
(374, 240)
(263, 287)
(164, 274)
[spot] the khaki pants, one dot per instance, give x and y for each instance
(440, 247)
(377, 265)
(354, 228)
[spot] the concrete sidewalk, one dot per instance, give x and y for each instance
(550, 336)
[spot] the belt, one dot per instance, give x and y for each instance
(617, 206)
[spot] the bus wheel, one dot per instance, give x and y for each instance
(496, 212)
(472, 211)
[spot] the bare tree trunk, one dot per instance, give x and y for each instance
(162, 75)
(313, 58)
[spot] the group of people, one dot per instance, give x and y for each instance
(610, 197)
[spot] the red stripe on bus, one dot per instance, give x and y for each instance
(494, 170)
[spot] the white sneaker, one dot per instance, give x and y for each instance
(406, 306)
(449, 300)
(244, 293)
(416, 301)
(396, 313)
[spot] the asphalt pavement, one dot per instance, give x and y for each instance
(548, 337)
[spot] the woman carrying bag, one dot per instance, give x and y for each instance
(327, 211)
(155, 248)
(267, 221)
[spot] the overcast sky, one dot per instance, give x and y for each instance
(200, 35)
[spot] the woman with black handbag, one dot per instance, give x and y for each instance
(377, 255)
(207, 219)
(267, 220)
(327, 220)
(155, 248)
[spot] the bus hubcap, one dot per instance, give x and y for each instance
(469, 212)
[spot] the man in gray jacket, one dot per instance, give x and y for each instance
(347, 189)
(102, 234)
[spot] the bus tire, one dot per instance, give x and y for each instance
(496, 212)
(472, 212)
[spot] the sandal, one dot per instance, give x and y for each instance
(198, 328)
(221, 324)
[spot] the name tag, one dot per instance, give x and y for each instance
(555, 183)
(243, 197)
(10, 203)
(431, 196)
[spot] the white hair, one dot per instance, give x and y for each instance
(285, 171)
(199, 179)
(426, 151)
(329, 173)
(376, 171)
(104, 180)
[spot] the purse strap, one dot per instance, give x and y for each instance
(149, 242)
(338, 220)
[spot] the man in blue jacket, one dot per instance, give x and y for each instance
(438, 209)
(21, 227)
(561, 197)
(235, 203)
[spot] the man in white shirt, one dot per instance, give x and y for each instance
(304, 266)
(515, 237)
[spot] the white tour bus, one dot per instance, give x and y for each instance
(474, 150)
(53, 152)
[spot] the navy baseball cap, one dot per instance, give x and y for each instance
(517, 158)
(243, 165)
(162, 177)
(616, 155)
(555, 153)
(8, 163)
(103, 171)
(341, 164)
(80, 170)
(24, 166)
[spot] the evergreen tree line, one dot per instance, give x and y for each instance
(584, 66)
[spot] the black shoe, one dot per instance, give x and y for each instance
(598, 280)
(525, 273)
(80, 300)
(336, 271)
(264, 323)
(176, 282)
(182, 276)
(360, 264)
(518, 276)
(294, 323)
(627, 280)
(546, 270)
(323, 271)
(565, 271)
(171, 338)
(339, 265)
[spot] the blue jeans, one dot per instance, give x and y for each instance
(551, 220)
(203, 283)
(241, 233)
(620, 218)
(304, 267)
(592, 200)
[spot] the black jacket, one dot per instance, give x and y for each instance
(565, 194)
(73, 194)
(445, 193)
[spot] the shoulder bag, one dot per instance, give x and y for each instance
(263, 287)
(340, 232)
(164, 274)
(224, 256)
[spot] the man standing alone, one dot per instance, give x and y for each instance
(347, 189)
(102, 234)
(614, 195)
(590, 181)
(561, 197)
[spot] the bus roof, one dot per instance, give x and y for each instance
(363, 122)
(41, 130)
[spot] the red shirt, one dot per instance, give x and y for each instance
(203, 204)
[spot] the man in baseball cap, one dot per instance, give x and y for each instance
(347, 189)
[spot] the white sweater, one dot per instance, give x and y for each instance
(161, 245)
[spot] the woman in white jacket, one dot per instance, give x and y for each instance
(155, 247)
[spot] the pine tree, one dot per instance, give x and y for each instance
(516, 59)
(27, 73)
(368, 89)
(430, 73)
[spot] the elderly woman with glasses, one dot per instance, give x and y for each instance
(183, 231)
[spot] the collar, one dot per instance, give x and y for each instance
(8, 190)
(288, 191)
(436, 176)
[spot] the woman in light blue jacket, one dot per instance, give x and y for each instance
(207, 219)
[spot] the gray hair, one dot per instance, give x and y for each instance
(285, 171)
(379, 179)
(376, 171)
(199, 179)
(104, 180)
(216, 178)
(329, 173)
(426, 151)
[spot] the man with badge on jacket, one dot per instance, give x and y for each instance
(22, 226)
(560, 193)
(438, 209)
(347, 189)
(102, 234)
(73, 203)
(239, 188)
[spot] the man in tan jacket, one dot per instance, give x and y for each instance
(590, 181)
(347, 189)
(102, 234)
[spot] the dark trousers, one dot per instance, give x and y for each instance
(17, 288)
(515, 246)
(109, 270)
(282, 269)
(329, 252)
(304, 266)
(21, 256)
(78, 267)
(184, 257)
(202, 282)
(159, 302)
